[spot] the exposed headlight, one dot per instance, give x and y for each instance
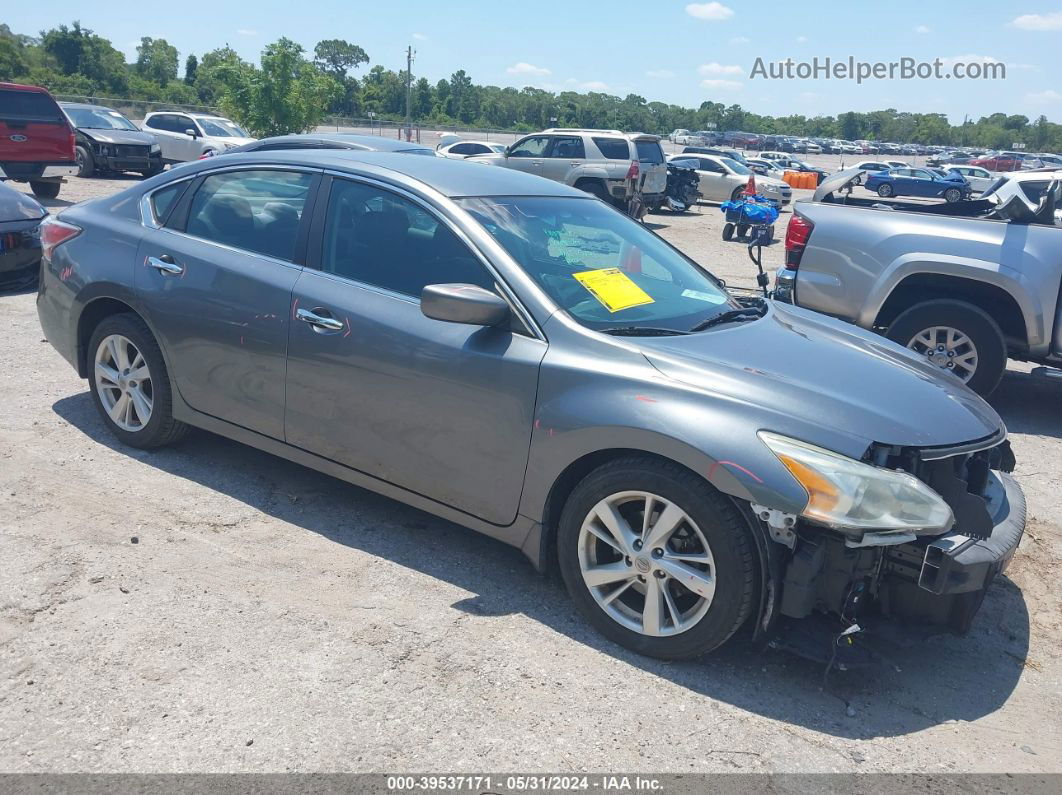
(156, 148)
(845, 493)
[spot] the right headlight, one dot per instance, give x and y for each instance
(845, 493)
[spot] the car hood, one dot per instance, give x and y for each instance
(135, 137)
(231, 142)
(831, 374)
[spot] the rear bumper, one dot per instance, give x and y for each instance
(24, 172)
(20, 247)
(785, 286)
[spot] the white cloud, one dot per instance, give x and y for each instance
(809, 95)
(1040, 97)
(741, 40)
(593, 85)
(713, 12)
(951, 60)
(923, 29)
(660, 74)
(723, 85)
(247, 32)
(801, 39)
(1052, 21)
(527, 69)
(714, 68)
(420, 37)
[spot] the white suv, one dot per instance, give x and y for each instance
(610, 164)
(189, 136)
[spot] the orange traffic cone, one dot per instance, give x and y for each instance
(750, 188)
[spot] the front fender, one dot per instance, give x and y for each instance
(637, 409)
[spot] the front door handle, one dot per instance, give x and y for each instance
(319, 321)
(165, 264)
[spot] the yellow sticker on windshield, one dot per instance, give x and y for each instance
(613, 288)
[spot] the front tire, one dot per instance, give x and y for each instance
(952, 195)
(86, 165)
(656, 559)
(130, 385)
(957, 337)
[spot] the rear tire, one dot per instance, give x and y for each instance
(129, 332)
(86, 165)
(885, 191)
(595, 188)
(710, 528)
(975, 324)
(44, 189)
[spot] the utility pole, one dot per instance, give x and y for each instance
(409, 91)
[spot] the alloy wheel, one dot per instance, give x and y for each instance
(947, 348)
(646, 563)
(123, 383)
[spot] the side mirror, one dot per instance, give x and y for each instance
(464, 303)
(191, 133)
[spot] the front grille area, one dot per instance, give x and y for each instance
(961, 480)
(130, 150)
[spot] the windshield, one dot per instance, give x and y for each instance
(605, 270)
(88, 119)
(735, 166)
(222, 128)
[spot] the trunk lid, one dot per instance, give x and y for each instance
(652, 164)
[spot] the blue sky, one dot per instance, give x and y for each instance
(661, 49)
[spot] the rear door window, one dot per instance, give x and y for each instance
(164, 199)
(568, 147)
(256, 210)
(28, 106)
(614, 148)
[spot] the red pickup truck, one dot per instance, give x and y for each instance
(36, 140)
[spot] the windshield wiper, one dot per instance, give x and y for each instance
(643, 331)
(744, 313)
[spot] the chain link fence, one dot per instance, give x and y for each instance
(419, 132)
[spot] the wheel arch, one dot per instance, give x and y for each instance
(992, 299)
(95, 312)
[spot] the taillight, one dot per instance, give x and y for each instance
(632, 172)
(54, 232)
(71, 142)
(796, 238)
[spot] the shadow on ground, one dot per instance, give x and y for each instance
(1029, 403)
(940, 678)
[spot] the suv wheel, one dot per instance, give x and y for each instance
(957, 337)
(130, 385)
(595, 188)
(656, 559)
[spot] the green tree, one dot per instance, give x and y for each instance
(191, 66)
(156, 59)
(12, 59)
(337, 57)
(79, 51)
(287, 94)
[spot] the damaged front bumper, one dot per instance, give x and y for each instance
(943, 580)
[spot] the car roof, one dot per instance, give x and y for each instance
(376, 143)
(452, 178)
(84, 105)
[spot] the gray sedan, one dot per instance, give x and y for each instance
(518, 357)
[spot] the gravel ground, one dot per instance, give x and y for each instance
(212, 608)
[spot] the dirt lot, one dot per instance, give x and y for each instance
(212, 608)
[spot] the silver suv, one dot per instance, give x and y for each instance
(610, 164)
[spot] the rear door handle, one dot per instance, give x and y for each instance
(165, 264)
(319, 321)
